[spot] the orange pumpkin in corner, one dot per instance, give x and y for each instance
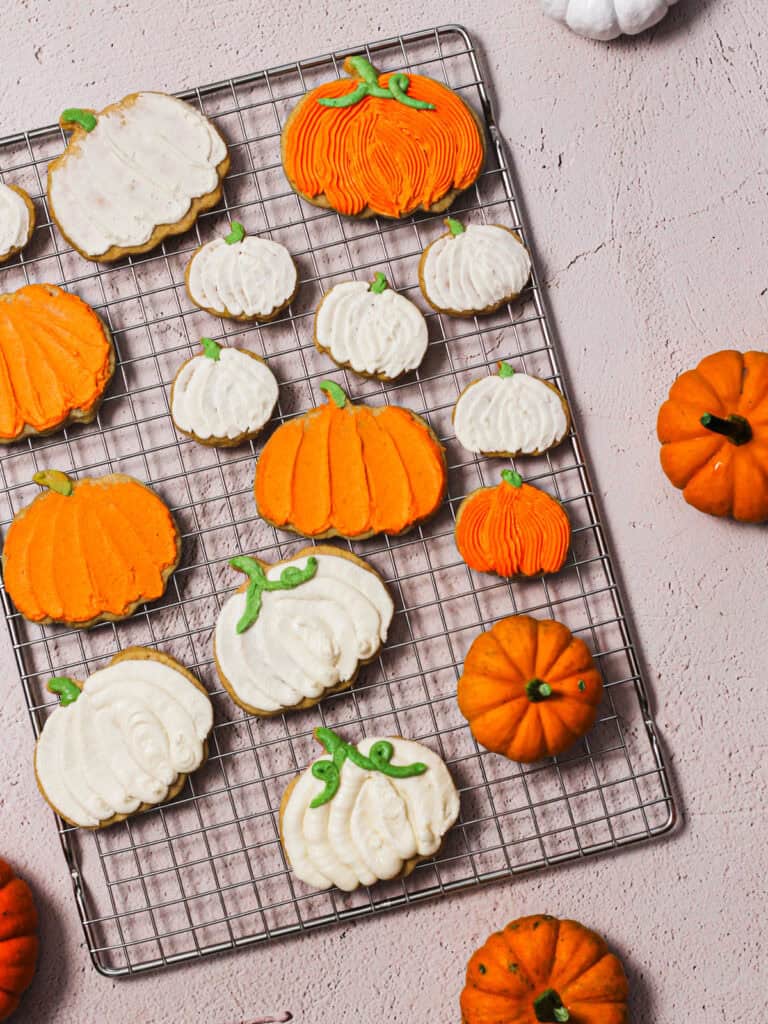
(542, 969)
(713, 430)
(18, 939)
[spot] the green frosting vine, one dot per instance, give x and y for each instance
(378, 760)
(397, 88)
(290, 577)
(236, 233)
(74, 115)
(379, 283)
(67, 689)
(211, 349)
(334, 392)
(505, 370)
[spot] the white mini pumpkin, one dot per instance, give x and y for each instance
(123, 740)
(607, 19)
(223, 396)
(366, 812)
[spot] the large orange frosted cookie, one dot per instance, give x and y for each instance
(90, 550)
(56, 359)
(346, 470)
(382, 144)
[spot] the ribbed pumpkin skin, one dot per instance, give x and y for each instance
(493, 696)
(18, 939)
(715, 475)
(537, 953)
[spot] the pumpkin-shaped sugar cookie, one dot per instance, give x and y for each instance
(19, 943)
(383, 145)
(90, 550)
(510, 414)
(513, 529)
(56, 360)
(17, 220)
(124, 740)
(529, 689)
(350, 470)
(473, 269)
(714, 435)
(371, 329)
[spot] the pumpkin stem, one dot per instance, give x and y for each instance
(67, 689)
(236, 233)
(211, 349)
(512, 477)
(454, 226)
(379, 283)
(334, 392)
(537, 690)
(54, 480)
(396, 89)
(735, 428)
(75, 116)
(292, 576)
(549, 1007)
(505, 370)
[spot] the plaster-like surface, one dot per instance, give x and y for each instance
(643, 167)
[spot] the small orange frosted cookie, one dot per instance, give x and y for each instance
(513, 529)
(90, 550)
(56, 359)
(382, 145)
(346, 470)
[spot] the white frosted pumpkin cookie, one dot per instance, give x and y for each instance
(510, 414)
(223, 396)
(371, 329)
(242, 277)
(299, 629)
(368, 813)
(17, 220)
(124, 740)
(473, 269)
(133, 174)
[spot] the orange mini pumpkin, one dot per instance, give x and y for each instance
(382, 144)
(89, 550)
(529, 688)
(714, 435)
(350, 470)
(18, 939)
(540, 968)
(56, 359)
(512, 529)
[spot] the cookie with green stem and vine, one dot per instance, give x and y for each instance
(382, 144)
(300, 629)
(242, 277)
(366, 812)
(473, 269)
(222, 396)
(371, 329)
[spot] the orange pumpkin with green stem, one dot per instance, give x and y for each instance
(85, 551)
(350, 470)
(541, 969)
(529, 689)
(18, 939)
(714, 435)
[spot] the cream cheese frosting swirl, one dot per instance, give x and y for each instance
(14, 220)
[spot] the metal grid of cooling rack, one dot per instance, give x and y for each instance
(206, 873)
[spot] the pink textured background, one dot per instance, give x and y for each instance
(643, 169)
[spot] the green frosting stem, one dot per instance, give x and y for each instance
(505, 370)
(290, 577)
(455, 226)
(378, 760)
(75, 115)
(54, 480)
(211, 349)
(512, 477)
(67, 689)
(334, 392)
(548, 1007)
(236, 233)
(379, 283)
(396, 89)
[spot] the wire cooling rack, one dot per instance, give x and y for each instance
(206, 873)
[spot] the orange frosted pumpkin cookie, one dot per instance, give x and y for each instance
(513, 529)
(348, 470)
(90, 550)
(56, 359)
(529, 688)
(382, 145)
